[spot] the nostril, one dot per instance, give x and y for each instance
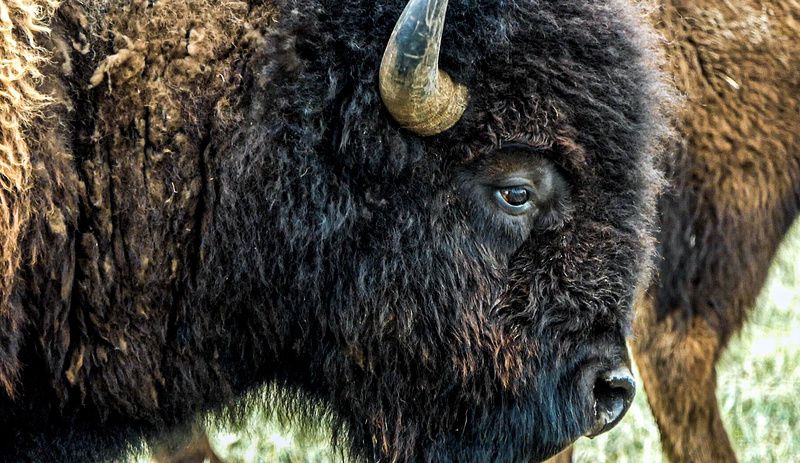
(617, 383)
(613, 394)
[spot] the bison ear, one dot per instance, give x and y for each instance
(422, 98)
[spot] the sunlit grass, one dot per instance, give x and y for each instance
(759, 391)
(263, 438)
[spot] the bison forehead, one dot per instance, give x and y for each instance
(538, 72)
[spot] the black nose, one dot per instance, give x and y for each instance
(613, 394)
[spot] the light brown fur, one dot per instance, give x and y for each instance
(21, 21)
(197, 450)
(563, 457)
(736, 195)
(677, 368)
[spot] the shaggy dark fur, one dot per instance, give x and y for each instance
(223, 202)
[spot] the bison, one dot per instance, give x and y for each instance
(735, 193)
(734, 189)
(429, 232)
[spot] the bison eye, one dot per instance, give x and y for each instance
(515, 199)
(511, 193)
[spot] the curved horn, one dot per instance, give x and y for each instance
(418, 95)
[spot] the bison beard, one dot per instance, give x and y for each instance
(219, 200)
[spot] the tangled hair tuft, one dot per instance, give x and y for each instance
(20, 102)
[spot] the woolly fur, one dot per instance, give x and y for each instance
(20, 104)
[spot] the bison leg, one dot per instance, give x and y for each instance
(677, 365)
(563, 457)
(197, 450)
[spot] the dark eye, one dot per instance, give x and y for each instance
(515, 196)
(515, 199)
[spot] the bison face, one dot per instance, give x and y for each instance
(445, 257)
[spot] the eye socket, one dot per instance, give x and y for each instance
(515, 200)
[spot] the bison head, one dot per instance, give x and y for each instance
(441, 239)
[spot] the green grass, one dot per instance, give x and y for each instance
(759, 391)
(263, 438)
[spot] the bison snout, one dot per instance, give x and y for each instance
(613, 393)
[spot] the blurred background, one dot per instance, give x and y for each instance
(758, 392)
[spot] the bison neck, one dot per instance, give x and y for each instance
(125, 186)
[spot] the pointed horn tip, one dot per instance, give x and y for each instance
(419, 96)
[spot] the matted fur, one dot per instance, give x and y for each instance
(21, 21)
